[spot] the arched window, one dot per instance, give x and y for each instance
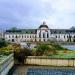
(43, 35)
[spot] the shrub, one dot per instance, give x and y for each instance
(22, 54)
(41, 49)
(3, 43)
(65, 51)
(6, 50)
(57, 46)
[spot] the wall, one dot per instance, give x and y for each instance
(6, 65)
(32, 60)
(21, 37)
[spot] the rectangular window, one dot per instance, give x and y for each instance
(13, 40)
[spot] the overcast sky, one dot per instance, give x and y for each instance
(31, 13)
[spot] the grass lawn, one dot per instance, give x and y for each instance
(63, 54)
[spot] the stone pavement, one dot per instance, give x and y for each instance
(18, 70)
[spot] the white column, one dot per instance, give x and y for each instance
(41, 34)
(49, 33)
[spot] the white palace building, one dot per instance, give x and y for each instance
(42, 33)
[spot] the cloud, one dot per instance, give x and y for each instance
(30, 13)
(64, 5)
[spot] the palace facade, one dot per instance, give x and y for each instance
(42, 33)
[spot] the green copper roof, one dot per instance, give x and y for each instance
(43, 26)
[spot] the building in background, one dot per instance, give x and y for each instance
(42, 33)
